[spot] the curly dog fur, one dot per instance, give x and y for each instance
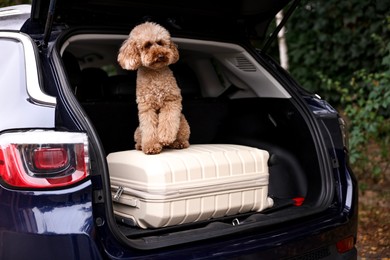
(149, 50)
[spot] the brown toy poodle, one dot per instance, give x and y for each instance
(149, 49)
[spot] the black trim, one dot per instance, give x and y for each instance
(49, 22)
(274, 34)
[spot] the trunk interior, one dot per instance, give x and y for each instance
(228, 97)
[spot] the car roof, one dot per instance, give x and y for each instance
(13, 17)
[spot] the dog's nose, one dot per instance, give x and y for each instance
(161, 57)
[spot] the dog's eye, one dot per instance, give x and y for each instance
(160, 43)
(147, 45)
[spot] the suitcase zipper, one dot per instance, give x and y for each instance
(173, 190)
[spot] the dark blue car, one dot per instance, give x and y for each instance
(65, 104)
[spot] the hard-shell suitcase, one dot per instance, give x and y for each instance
(189, 185)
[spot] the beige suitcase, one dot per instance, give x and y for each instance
(189, 185)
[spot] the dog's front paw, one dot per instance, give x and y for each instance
(166, 137)
(152, 148)
(179, 144)
(138, 147)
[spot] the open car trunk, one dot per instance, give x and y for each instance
(230, 96)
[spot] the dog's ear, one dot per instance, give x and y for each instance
(129, 57)
(175, 53)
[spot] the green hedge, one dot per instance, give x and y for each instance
(341, 51)
(4, 3)
(336, 39)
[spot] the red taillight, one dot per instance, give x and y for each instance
(43, 159)
(345, 244)
(50, 158)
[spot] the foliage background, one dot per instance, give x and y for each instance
(341, 51)
(13, 2)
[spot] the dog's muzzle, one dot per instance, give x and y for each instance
(161, 58)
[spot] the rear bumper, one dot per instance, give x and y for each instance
(15, 245)
(47, 224)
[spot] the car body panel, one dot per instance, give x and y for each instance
(13, 17)
(20, 89)
(54, 217)
(77, 222)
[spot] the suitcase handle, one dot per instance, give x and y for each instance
(118, 193)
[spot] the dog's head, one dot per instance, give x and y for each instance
(148, 45)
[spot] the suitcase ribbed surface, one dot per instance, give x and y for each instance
(183, 186)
